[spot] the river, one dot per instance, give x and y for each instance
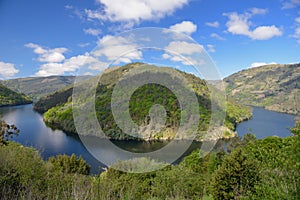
(49, 142)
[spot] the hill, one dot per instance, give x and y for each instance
(10, 98)
(36, 87)
(58, 106)
(275, 87)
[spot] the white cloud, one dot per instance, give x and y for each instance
(258, 11)
(297, 34)
(239, 24)
(91, 31)
(211, 48)
(181, 51)
(186, 27)
(297, 30)
(118, 49)
(258, 64)
(82, 45)
(184, 48)
(68, 7)
(214, 35)
(287, 4)
(213, 24)
(7, 70)
(265, 32)
(134, 11)
(70, 65)
(48, 55)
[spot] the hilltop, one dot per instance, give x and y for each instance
(275, 87)
(11, 98)
(58, 107)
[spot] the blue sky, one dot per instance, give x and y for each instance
(55, 37)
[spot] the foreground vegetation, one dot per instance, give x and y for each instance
(252, 169)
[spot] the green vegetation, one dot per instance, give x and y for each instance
(69, 164)
(11, 98)
(37, 87)
(59, 106)
(255, 169)
(274, 87)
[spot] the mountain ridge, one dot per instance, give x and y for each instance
(275, 87)
(37, 87)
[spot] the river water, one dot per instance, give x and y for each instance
(51, 142)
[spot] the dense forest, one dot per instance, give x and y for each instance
(250, 169)
(10, 98)
(58, 106)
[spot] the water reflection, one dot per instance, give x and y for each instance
(50, 142)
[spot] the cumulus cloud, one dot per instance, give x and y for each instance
(181, 51)
(211, 48)
(288, 4)
(216, 36)
(258, 11)
(91, 31)
(48, 55)
(118, 49)
(184, 48)
(258, 64)
(213, 24)
(297, 30)
(297, 34)
(55, 63)
(82, 45)
(239, 24)
(186, 27)
(70, 65)
(7, 70)
(134, 11)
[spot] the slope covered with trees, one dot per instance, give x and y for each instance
(59, 107)
(274, 87)
(10, 98)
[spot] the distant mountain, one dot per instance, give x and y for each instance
(58, 106)
(10, 98)
(36, 87)
(275, 87)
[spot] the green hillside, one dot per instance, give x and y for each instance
(10, 98)
(37, 87)
(274, 87)
(59, 107)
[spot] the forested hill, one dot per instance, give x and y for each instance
(274, 87)
(10, 98)
(37, 87)
(58, 107)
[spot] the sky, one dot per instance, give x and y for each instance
(58, 37)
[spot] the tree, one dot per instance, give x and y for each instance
(236, 177)
(296, 130)
(7, 131)
(70, 164)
